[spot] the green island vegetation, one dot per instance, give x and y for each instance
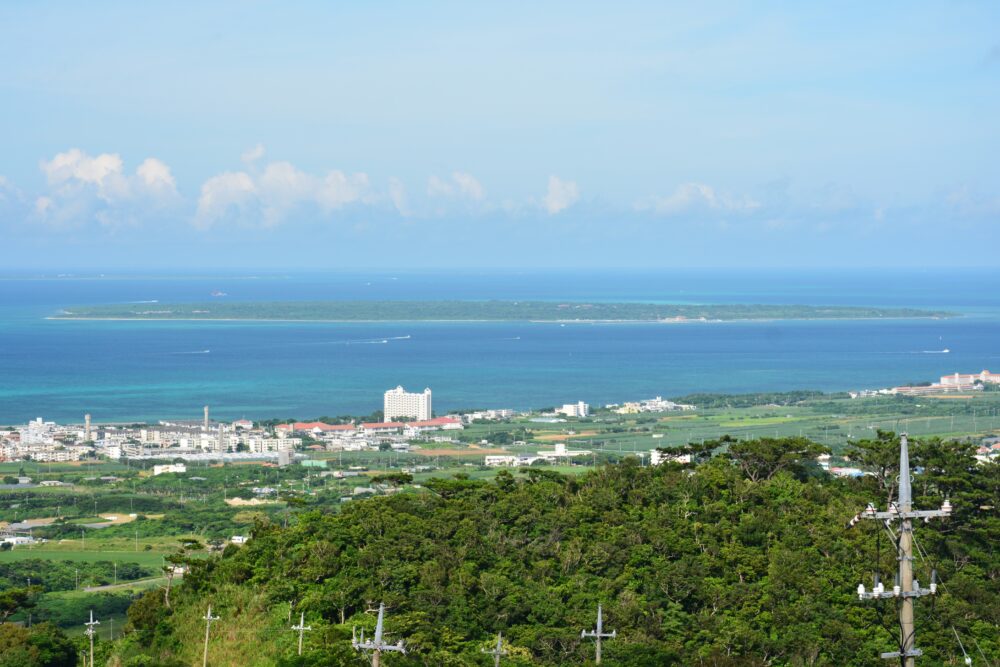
(550, 311)
(740, 558)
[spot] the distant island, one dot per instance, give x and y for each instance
(473, 311)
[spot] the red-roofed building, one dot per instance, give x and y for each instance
(968, 379)
(438, 423)
(382, 427)
(322, 427)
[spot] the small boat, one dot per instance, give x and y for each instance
(218, 293)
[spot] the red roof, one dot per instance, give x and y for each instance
(377, 425)
(437, 421)
(322, 426)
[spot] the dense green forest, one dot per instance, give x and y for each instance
(742, 558)
(480, 311)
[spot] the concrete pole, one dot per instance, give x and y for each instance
(208, 624)
(204, 659)
(907, 633)
(376, 658)
(597, 651)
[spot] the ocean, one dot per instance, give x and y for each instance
(139, 371)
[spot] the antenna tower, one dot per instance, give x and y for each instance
(597, 634)
(906, 589)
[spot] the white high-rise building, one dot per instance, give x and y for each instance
(400, 403)
(579, 409)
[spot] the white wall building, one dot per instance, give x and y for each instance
(560, 452)
(172, 467)
(657, 456)
(400, 403)
(578, 409)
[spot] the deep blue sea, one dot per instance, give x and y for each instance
(121, 371)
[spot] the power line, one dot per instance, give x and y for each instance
(968, 660)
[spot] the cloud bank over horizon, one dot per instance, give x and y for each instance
(732, 135)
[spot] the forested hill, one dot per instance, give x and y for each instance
(743, 560)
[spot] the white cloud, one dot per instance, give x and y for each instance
(397, 193)
(690, 197)
(468, 185)
(251, 155)
(82, 186)
(221, 192)
(560, 195)
(438, 187)
(155, 176)
(276, 192)
(7, 190)
(338, 189)
(461, 184)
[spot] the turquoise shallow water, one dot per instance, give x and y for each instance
(147, 370)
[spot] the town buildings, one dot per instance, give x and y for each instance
(658, 404)
(953, 382)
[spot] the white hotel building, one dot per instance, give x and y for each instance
(400, 403)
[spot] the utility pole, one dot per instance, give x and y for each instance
(497, 652)
(906, 589)
(301, 627)
(208, 618)
(597, 634)
(377, 644)
(90, 633)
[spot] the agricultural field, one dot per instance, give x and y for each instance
(118, 511)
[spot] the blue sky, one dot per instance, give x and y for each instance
(329, 135)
